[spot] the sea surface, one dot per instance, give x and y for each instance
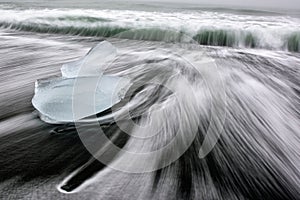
(230, 72)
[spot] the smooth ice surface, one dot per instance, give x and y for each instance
(54, 98)
(82, 80)
(94, 62)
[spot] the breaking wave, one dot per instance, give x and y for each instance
(206, 28)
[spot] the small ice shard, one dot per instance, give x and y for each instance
(94, 62)
(54, 98)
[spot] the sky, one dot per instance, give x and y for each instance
(246, 4)
(293, 4)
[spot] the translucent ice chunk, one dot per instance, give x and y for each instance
(54, 98)
(93, 63)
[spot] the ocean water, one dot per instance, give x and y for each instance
(223, 78)
(232, 28)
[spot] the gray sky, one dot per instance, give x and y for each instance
(293, 4)
(245, 4)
